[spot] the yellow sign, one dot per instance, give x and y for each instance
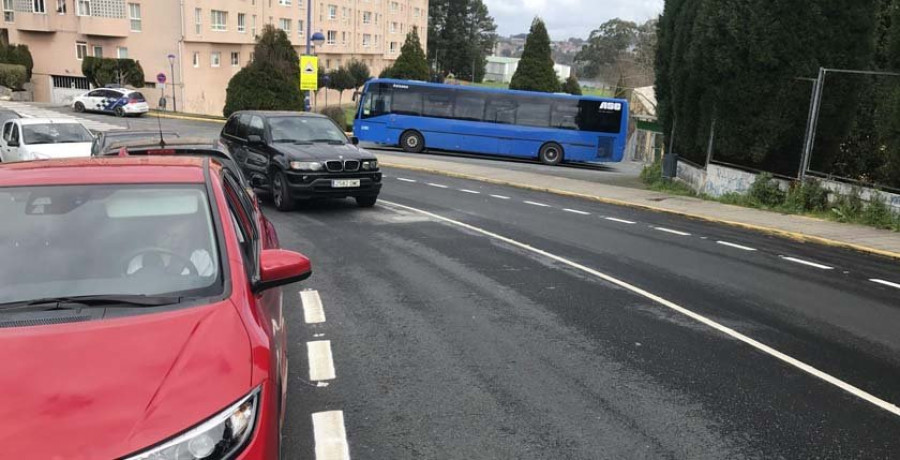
(309, 73)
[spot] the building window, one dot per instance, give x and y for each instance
(215, 59)
(285, 25)
(235, 59)
(122, 52)
(345, 13)
(198, 21)
(367, 17)
(394, 6)
(284, 2)
(343, 38)
(376, 18)
(84, 8)
(196, 59)
(9, 14)
(61, 6)
(332, 11)
(134, 13)
(393, 47)
(417, 12)
(218, 20)
(393, 27)
(39, 6)
(242, 23)
(253, 25)
(300, 29)
(367, 40)
(332, 37)
(402, 28)
(80, 50)
(98, 51)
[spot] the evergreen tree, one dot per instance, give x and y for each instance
(341, 80)
(359, 73)
(571, 86)
(461, 34)
(271, 81)
(535, 71)
(411, 64)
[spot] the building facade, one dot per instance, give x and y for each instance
(210, 40)
(501, 69)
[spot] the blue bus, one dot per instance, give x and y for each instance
(552, 128)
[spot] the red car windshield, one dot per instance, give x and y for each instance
(85, 240)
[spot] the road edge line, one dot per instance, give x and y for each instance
(628, 204)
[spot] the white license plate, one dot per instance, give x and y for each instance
(345, 183)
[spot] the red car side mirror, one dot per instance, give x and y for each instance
(278, 267)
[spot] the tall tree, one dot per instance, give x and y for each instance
(535, 71)
(359, 73)
(461, 35)
(606, 45)
(411, 65)
(271, 81)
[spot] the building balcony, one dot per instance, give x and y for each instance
(103, 27)
(36, 22)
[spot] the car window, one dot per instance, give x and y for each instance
(55, 133)
(7, 129)
(242, 220)
(305, 129)
(243, 126)
(257, 127)
(96, 93)
(14, 133)
(231, 126)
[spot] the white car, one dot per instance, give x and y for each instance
(119, 101)
(26, 139)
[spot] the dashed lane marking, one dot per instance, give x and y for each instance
(885, 283)
(736, 246)
(437, 185)
(575, 211)
(330, 436)
(403, 179)
(313, 313)
(802, 366)
(674, 232)
(321, 363)
(500, 197)
(807, 263)
(473, 192)
(621, 221)
(535, 203)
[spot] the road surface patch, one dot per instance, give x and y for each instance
(330, 436)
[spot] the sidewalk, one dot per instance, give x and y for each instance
(866, 239)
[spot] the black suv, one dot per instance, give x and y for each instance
(301, 156)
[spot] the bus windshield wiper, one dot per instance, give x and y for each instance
(89, 301)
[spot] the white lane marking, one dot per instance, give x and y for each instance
(674, 232)
(868, 397)
(321, 363)
(575, 211)
(436, 185)
(535, 203)
(330, 436)
(473, 192)
(736, 246)
(403, 179)
(621, 221)
(313, 312)
(885, 283)
(500, 197)
(807, 263)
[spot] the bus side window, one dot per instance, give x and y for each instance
(500, 110)
(534, 112)
(564, 115)
(593, 118)
(367, 104)
(407, 102)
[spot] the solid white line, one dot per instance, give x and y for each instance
(674, 232)
(807, 263)
(330, 436)
(321, 363)
(575, 211)
(621, 221)
(437, 185)
(501, 197)
(736, 246)
(469, 191)
(406, 180)
(677, 308)
(313, 312)
(886, 283)
(534, 203)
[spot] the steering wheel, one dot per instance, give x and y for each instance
(177, 262)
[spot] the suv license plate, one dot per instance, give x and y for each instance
(345, 183)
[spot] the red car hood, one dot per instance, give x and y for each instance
(105, 389)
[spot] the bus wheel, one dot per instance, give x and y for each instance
(551, 154)
(412, 142)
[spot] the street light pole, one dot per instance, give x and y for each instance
(172, 68)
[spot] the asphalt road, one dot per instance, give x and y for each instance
(450, 344)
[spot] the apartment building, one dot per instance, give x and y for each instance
(210, 39)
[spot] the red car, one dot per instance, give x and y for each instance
(140, 312)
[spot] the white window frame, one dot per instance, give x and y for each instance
(61, 7)
(284, 2)
(394, 48)
(9, 11)
(394, 7)
(95, 48)
(332, 12)
(218, 20)
(235, 54)
(39, 6)
(81, 50)
(196, 59)
(331, 37)
(367, 17)
(135, 19)
(253, 25)
(198, 20)
(282, 22)
(215, 59)
(301, 31)
(393, 27)
(83, 8)
(242, 23)
(119, 50)
(366, 40)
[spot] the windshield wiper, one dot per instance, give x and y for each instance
(89, 301)
(329, 141)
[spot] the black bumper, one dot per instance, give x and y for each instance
(305, 186)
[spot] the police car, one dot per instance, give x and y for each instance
(115, 100)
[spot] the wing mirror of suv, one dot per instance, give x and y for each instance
(254, 139)
(278, 267)
(354, 140)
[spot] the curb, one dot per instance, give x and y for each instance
(186, 117)
(757, 228)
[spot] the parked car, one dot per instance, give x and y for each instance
(140, 313)
(25, 139)
(118, 101)
(301, 156)
(105, 138)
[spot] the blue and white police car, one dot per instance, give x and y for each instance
(119, 101)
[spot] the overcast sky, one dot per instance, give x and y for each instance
(568, 18)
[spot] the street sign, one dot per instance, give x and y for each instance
(161, 78)
(309, 73)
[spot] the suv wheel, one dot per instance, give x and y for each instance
(280, 194)
(366, 201)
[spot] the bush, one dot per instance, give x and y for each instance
(338, 115)
(259, 87)
(765, 192)
(12, 76)
(17, 54)
(808, 196)
(848, 208)
(652, 174)
(878, 213)
(104, 71)
(571, 86)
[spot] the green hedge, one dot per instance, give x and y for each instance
(17, 54)
(260, 87)
(104, 71)
(13, 76)
(337, 114)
